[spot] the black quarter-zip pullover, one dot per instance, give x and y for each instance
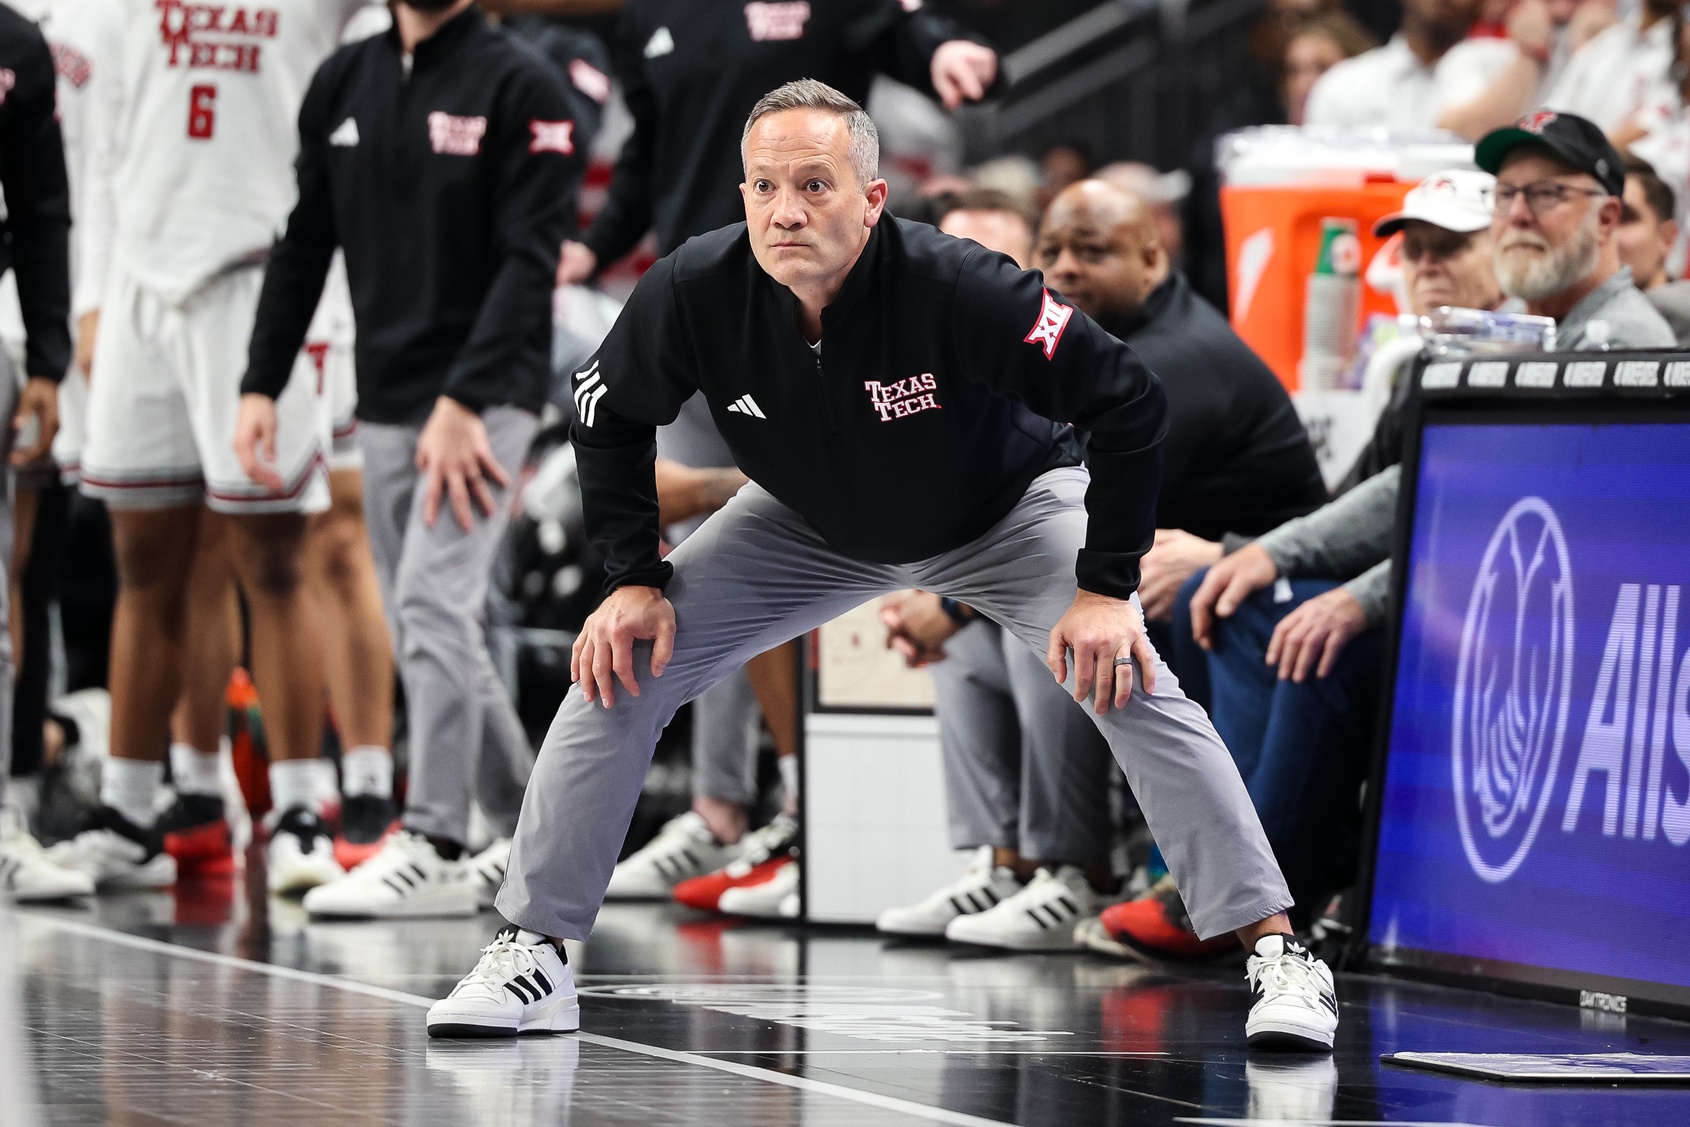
(35, 234)
(922, 421)
(692, 69)
(449, 179)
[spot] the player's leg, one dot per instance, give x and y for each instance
(435, 588)
(266, 527)
(357, 661)
(196, 828)
(142, 461)
(1021, 574)
(26, 872)
(980, 747)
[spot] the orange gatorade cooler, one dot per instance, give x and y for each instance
(1291, 194)
(1274, 238)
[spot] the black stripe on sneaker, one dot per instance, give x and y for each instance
(957, 903)
(545, 983)
(520, 989)
(1072, 907)
(1033, 913)
(990, 896)
(396, 886)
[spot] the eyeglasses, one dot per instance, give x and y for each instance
(1434, 243)
(1543, 196)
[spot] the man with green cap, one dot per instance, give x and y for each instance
(1556, 212)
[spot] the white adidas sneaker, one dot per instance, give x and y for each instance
(488, 868)
(300, 855)
(522, 984)
(405, 878)
(26, 872)
(983, 887)
(1296, 1008)
(683, 848)
(115, 853)
(1040, 917)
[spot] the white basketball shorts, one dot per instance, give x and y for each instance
(163, 399)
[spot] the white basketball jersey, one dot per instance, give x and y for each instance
(207, 132)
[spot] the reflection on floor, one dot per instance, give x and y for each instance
(211, 1005)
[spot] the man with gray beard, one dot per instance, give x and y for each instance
(1556, 213)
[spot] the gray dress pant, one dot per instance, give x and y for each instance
(727, 722)
(466, 739)
(1025, 768)
(755, 575)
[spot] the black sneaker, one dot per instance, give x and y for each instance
(116, 853)
(196, 833)
(366, 820)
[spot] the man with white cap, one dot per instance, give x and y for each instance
(1295, 680)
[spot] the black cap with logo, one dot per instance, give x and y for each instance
(1576, 140)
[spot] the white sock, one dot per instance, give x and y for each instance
(130, 786)
(789, 782)
(366, 770)
(293, 782)
(194, 771)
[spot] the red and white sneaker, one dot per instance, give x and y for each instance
(1155, 929)
(196, 833)
(772, 896)
(763, 852)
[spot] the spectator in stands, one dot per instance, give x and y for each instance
(1621, 68)
(1273, 90)
(1646, 239)
(1064, 163)
(1558, 200)
(1428, 67)
(993, 219)
(1300, 743)
(1235, 459)
(1319, 42)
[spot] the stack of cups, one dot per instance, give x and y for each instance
(1331, 306)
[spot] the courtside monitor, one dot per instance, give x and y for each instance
(1533, 804)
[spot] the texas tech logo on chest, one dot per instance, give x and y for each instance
(904, 398)
(214, 36)
(455, 136)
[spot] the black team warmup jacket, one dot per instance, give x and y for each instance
(919, 426)
(1237, 458)
(450, 184)
(35, 236)
(692, 69)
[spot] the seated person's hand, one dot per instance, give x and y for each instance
(1169, 563)
(1317, 631)
(916, 626)
(1229, 582)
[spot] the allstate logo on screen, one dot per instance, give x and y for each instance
(1513, 689)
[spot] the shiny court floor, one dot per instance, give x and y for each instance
(211, 1006)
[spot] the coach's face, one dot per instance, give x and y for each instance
(808, 211)
(1098, 246)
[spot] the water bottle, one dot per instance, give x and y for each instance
(1331, 304)
(1450, 331)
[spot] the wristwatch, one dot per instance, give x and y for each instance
(959, 613)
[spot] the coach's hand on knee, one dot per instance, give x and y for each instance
(1229, 582)
(455, 458)
(1107, 637)
(604, 652)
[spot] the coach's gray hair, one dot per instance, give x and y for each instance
(808, 94)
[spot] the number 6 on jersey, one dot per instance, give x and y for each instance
(202, 112)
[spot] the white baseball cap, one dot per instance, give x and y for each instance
(1456, 199)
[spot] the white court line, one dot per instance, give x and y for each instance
(801, 1083)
